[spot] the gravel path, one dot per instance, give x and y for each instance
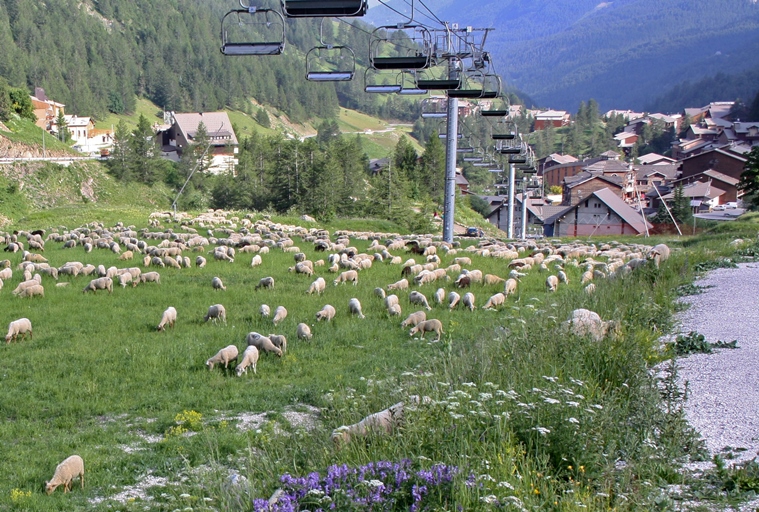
(723, 399)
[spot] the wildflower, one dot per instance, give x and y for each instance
(501, 392)
(597, 406)
(475, 403)
(485, 396)
(573, 404)
(549, 400)
(490, 385)
(541, 430)
(551, 379)
(469, 384)
(573, 420)
(506, 485)
(315, 492)
(486, 478)
(536, 491)
(456, 416)
(491, 499)
(184, 496)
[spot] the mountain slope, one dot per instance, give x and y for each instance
(622, 53)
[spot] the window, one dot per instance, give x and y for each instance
(586, 204)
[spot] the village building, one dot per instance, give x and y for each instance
(183, 129)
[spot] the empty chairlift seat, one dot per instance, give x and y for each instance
(252, 31)
(324, 8)
(400, 47)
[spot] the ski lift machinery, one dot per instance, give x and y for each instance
(329, 62)
(239, 26)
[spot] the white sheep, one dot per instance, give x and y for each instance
(584, 322)
(394, 310)
(36, 290)
(265, 282)
(563, 277)
(381, 422)
(344, 277)
(65, 472)
(391, 300)
(262, 343)
(169, 318)
(256, 261)
(659, 253)
(552, 283)
(303, 331)
(16, 327)
(398, 285)
(491, 279)
(125, 278)
(510, 286)
(590, 289)
(433, 325)
(440, 295)
(101, 283)
(280, 341)
(355, 308)
(494, 301)
(226, 355)
(317, 286)
(215, 312)
(453, 300)
(416, 297)
(279, 314)
(468, 301)
(200, 262)
(150, 277)
(249, 359)
(327, 312)
(264, 310)
(216, 284)
(380, 292)
(414, 318)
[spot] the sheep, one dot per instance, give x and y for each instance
(226, 355)
(317, 286)
(262, 343)
(433, 325)
(215, 312)
(391, 300)
(380, 292)
(440, 295)
(394, 310)
(398, 285)
(33, 291)
(303, 331)
(216, 284)
(200, 262)
(344, 277)
(325, 313)
(490, 279)
(414, 318)
(150, 277)
(280, 341)
(586, 277)
(249, 359)
(494, 301)
(355, 308)
(552, 283)
(265, 282)
(6, 273)
(168, 318)
(510, 287)
(26, 284)
(453, 300)
(515, 274)
(126, 255)
(256, 261)
(381, 422)
(590, 288)
(65, 472)
(584, 322)
(416, 297)
(468, 301)
(264, 310)
(563, 277)
(125, 278)
(16, 327)
(462, 260)
(279, 314)
(101, 283)
(463, 281)
(659, 253)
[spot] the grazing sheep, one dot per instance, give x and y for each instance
(256, 261)
(440, 295)
(355, 308)
(468, 301)
(26, 284)
(125, 278)
(510, 287)
(494, 301)
(433, 325)
(463, 281)
(380, 292)
(150, 277)
(168, 318)
(586, 277)
(280, 341)
(265, 282)
(344, 277)
(552, 283)
(398, 285)
(462, 260)
(200, 262)
(490, 279)
(391, 300)
(264, 310)
(65, 472)
(303, 331)
(249, 359)
(515, 274)
(262, 343)
(416, 297)
(659, 253)
(226, 355)
(216, 284)
(16, 327)
(325, 313)
(279, 314)
(394, 310)
(6, 273)
(590, 288)
(32, 291)
(414, 318)
(563, 277)
(215, 312)
(317, 286)
(379, 423)
(584, 322)
(101, 283)
(126, 255)
(453, 300)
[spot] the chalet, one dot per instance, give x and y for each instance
(552, 160)
(723, 160)
(717, 109)
(728, 184)
(747, 132)
(628, 115)
(221, 136)
(654, 175)
(45, 110)
(554, 175)
(603, 212)
(462, 183)
(626, 140)
(81, 128)
(703, 195)
(537, 209)
(555, 118)
(578, 188)
(655, 159)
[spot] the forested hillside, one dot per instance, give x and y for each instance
(624, 53)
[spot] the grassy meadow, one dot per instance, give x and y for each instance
(530, 417)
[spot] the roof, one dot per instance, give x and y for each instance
(218, 125)
(72, 120)
(608, 166)
(669, 171)
(698, 189)
(724, 178)
(667, 118)
(610, 154)
(561, 159)
(697, 130)
(724, 150)
(744, 126)
(461, 179)
(622, 209)
(651, 158)
(551, 114)
(584, 177)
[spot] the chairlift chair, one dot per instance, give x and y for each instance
(435, 107)
(329, 62)
(409, 86)
(324, 8)
(489, 86)
(517, 159)
(431, 79)
(509, 147)
(502, 130)
(412, 52)
(238, 27)
(375, 82)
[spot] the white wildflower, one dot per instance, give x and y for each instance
(549, 400)
(407, 374)
(506, 485)
(576, 381)
(486, 478)
(541, 430)
(456, 416)
(486, 396)
(475, 403)
(573, 420)
(184, 496)
(453, 405)
(573, 404)
(501, 392)
(489, 499)
(551, 379)
(375, 484)
(490, 385)
(443, 384)
(469, 384)
(316, 492)
(598, 406)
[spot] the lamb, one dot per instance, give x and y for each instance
(325, 313)
(101, 283)
(256, 261)
(200, 262)
(584, 322)
(380, 292)
(552, 283)
(391, 300)
(264, 310)
(215, 312)
(355, 308)
(563, 277)
(510, 287)
(32, 291)
(398, 285)
(381, 422)
(280, 341)
(468, 301)
(394, 310)
(317, 286)
(496, 300)
(416, 297)
(125, 278)
(344, 277)
(216, 284)
(249, 359)
(433, 325)
(303, 331)
(150, 277)
(16, 327)
(168, 318)
(226, 355)
(414, 318)
(490, 279)
(659, 253)
(65, 472)
(262, 343)
(453, 300)
(265, 282)
(279, 314)
(126, 255)
(440, 295)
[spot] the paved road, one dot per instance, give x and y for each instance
(723, 215)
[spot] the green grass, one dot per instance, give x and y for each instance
(354, 121)
(26, 132)
(144, 107)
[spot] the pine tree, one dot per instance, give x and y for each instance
(63, 129)
(749, 183)
(432, 169)
(143, 152)
(119, 161)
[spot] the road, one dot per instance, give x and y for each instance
(723, 215)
